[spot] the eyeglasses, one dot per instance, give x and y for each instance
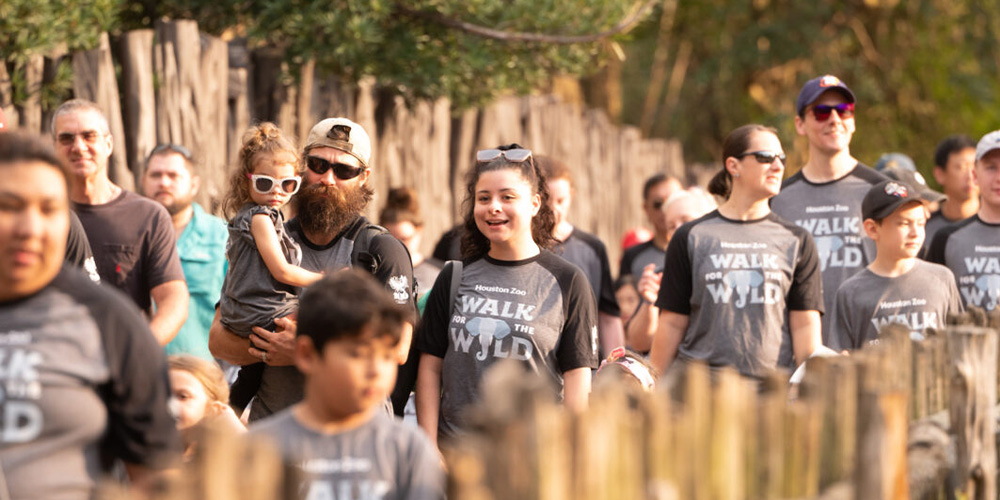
(264, 184)
(822, 111)
(511, 155)
(88, 136)
(343, 171)
(764, 156)
(174, 148)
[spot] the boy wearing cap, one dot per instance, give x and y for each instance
(971, 248)
(825, 195)
(896, 287)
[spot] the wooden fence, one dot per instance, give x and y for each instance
(179, 85)
(897, 421)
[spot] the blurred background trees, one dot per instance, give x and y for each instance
(685, 69)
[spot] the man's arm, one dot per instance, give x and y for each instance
(228, 346)
(642, 327)
(576, 388)
(171, 299)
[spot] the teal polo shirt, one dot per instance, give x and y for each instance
(202, 248)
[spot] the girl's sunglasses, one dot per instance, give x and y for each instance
(765, 157)
(343, 171)
(822, 111)
(264, 184)
(511, 155)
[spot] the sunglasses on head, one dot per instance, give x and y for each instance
(264, 184)
(511, 155)
(175, 148)
(764, 156)
(822, 111)
(343, 171)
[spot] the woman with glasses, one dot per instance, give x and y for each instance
(740, 276)
(511, 298)
(264, 274)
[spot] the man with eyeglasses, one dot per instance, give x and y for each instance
(333, 234)
(825, 195)
(131, 236)
(170, 180)
(655, 192)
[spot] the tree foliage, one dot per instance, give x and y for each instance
(921, 70)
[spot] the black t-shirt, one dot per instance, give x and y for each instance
(83, 380)
(78, 251)
(585, 251)
(637, 257)
(971, 249)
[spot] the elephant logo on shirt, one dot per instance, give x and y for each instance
(742, 282)
(827, 246)
(989, 284)
(488, 330)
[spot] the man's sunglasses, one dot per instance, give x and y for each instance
(822, 111)
(174, 148)
(88, 136)
(264, 184)
(765, 157)
(511, 155)
(343, 171)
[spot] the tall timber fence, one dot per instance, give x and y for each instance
(175, 84)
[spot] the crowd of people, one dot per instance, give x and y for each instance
(129, 321)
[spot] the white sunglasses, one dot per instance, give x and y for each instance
(264, 184)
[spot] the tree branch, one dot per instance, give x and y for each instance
(624, 25)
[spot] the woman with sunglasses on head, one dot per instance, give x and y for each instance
(513, 300)
(264, 274)
(740, 276)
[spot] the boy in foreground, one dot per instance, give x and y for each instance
(896, 287)
(340, 437)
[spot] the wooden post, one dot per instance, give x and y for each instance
(140, 98)
(973, 355)
(94, 79)
(882, 427)
(832, 382)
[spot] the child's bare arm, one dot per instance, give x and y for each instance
(266, 238)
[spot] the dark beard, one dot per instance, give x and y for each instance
(328, 210)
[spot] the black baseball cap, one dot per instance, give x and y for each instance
(886, 197)
(815, 88)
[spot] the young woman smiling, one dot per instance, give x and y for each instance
(741, 278)
(514, 299)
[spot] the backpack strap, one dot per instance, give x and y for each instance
(362, 235)
(456, 280)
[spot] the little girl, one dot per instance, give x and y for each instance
(263, 276)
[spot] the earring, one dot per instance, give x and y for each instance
(736, 175)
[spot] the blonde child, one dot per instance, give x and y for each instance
(199, 394)
(263, 278)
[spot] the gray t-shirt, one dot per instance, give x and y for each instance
(737, 280)
(831, 211)
(637, 257)
(83, 379)
(540, 311)
(382, 459)
(251, 296)
(585, 251)
(281, 386)
(971, 249)
(866, 302)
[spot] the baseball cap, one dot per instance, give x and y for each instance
(989, 142)
(815, 88)
(914, 180)
(885, 197)
(342, 134)
(895, 160)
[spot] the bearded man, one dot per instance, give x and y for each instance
(171, 181)
(327, 226)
